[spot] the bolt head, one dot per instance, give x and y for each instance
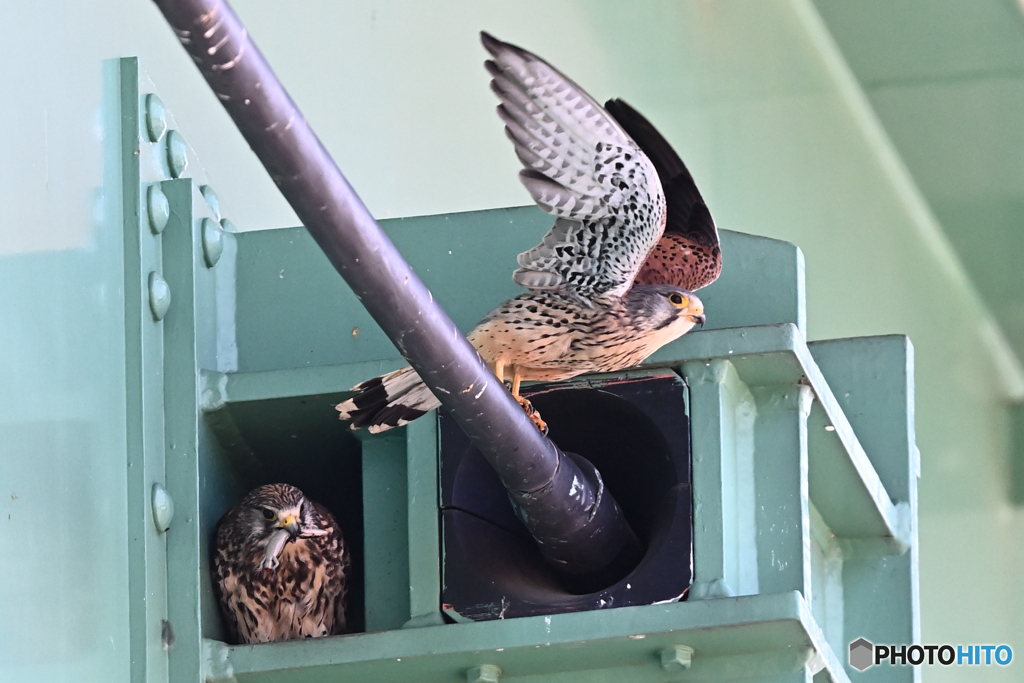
(163, 508)
(485, 673)
(213, 242)
(159, 296)
(177, 153)
(211, 198)
(158, 209)
(676, 658)
(156, 118)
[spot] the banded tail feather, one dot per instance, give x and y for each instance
(388, 401)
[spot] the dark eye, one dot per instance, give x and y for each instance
(676, 299)
(269, 514)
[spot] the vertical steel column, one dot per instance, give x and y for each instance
(580, 532)
(782, 495)
(722, 415)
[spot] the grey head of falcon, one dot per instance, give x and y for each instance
(584, 310)
(279, 563)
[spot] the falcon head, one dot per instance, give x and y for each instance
(275, 515)
(274, 506)
(666, 311)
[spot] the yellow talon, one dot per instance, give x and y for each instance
(532, 413)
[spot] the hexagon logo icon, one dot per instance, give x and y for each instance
(862, 654)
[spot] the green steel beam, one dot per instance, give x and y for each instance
(781, 488)
(873, 380)
(185, 541)
(144, 389)
(466, 260)
(401, 527)
(220, 388)
(762, 636)
(778, 356)
(385, 516)
(722, 415)
(423, 525)
(277, 268)
(171, 312)
(792, 476)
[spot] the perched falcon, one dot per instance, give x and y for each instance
(279, 565)
(583, 312)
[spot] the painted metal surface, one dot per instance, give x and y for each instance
(872, 380)
(769, 637)
(218, 430)
(747, 103)
(772, 390)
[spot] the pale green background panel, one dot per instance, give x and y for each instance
(754, 94)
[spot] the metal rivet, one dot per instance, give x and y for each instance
(485, 673)
(213, 242)
(227, 225)
(177, 153)
(158, 208)
(676, 658)
(156, 118)
(211, 198)
(159, 296)
(163, 508)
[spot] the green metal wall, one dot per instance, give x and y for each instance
(755, 96)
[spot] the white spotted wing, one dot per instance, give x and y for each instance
(584, 169)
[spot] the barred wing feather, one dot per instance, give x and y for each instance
(581, 167)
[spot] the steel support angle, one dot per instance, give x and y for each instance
(778, 354)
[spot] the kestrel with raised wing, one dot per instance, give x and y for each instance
(582, 313)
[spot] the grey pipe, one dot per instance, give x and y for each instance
(582, 534)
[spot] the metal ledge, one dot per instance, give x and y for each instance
(752, 636)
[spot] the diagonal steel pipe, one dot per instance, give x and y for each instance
(580, 529)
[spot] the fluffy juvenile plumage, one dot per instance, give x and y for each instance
(585, 166)
(279, 565)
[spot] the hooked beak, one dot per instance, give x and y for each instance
(291, 525)
(698, 319)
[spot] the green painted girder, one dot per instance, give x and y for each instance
(262, 338)
(762, 636)
(466, 260)
(843, 482)
(220, 388)
(873, 381)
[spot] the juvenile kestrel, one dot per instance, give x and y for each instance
(583, 312)
(279, 565)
